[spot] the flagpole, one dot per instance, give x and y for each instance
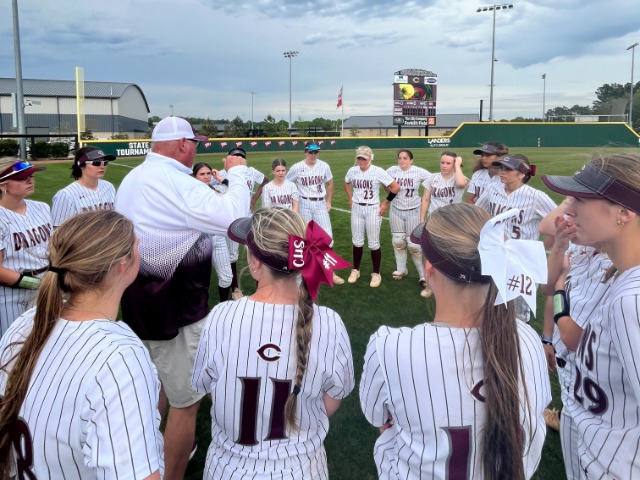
(342, 110)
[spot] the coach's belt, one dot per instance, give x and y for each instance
(366, 204)
(33, 273)
(314, 199)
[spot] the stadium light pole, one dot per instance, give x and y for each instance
(20, 120)
(544, 93)
(633, 52)
(493, 8)
(290, 55)
(171, 107)
(252, 94)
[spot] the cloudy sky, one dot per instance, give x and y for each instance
(204, 57)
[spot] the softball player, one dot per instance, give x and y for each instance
(534, 205)
(448, 396)
(89, 191)
(362, 184)
(405, 213)
(253, 177)
(583, 287)
(25, 229)
(606, 395)
(484, 173)
(274, 391)
(444, 188)
(314, 180)
(280, 192)
(80, 390)
(220, 258)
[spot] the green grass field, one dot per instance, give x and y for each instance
(350, 442)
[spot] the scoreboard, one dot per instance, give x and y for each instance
(414, 98)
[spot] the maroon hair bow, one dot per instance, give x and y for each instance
(314, 258)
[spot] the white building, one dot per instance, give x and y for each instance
(50, 107)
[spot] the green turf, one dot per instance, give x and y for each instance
(350, 441)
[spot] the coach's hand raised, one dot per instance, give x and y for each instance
(233, 161)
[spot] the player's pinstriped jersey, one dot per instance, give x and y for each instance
(91, 410)
(409, 181)
(443, 191)
(24, 238)
(253, 177)
(534, 205)
(365, 186)
(586, 289)
(279, 196)
(607, 385)
(480, 180)
(75, 198)
(310, 180)
(246, 359)
(428, 380)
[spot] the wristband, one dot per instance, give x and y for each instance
(546, 340)
(225, 182)
(391, 196)
(560, 305)
(25, 281)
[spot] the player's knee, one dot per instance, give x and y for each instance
(398, 240)
(373, 245)
(414, 249)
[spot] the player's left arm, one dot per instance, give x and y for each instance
(392, 188)
(329, 197)
(256, 195)
(424, 203)
(461, 180)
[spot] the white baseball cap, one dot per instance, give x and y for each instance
(174, 128)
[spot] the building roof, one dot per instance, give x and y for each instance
(443, 120)
(67, 88)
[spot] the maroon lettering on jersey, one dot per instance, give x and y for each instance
(311, 180)
(405, 182)
(586, 390)
(270, 352)
(361, 183)
(446, 192)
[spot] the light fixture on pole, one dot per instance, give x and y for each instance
(544, 93)
(493, 8)
(171, 107)
(633, 51)
(290, 55)
(252, 94)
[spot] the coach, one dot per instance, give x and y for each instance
(174, 216)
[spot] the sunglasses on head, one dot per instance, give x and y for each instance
(313, 152)
(15, 168)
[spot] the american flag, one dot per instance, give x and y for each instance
(340, 98)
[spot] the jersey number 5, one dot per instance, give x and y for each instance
(250, 409)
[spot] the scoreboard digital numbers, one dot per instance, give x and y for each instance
(414, 98)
